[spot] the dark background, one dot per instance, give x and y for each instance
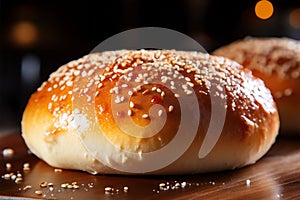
(67, 30)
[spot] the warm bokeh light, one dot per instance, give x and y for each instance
(294, 18)
(24, 33)
(264, 9)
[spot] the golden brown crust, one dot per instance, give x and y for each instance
(52, 133)
(277, 62)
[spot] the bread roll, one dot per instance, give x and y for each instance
(277, 62)
(150, 112)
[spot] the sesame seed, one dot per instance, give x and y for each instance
(188, 92)
(176, 95)
(187, 79)
(8, 152)
(101, 109)
(18, 180)
(119, 99)
(26, 169)
(90, 84)
(43, 184)
(76, 72)
(54, 98)
(107, 189)
(85, 90)
(144, 116)
(185, 87)
(177, 185)
(26, 165)
(145, 91)
(57, 170)
(38, 192)
(171, 108)
(248, 182)
(125, 188)
(102, 78)
(137, 88)
(129, 112)
(69, 83)
(130, 93)
(13, 177)
(202, 92)
(6, 176)
(160, 112)
(27, 187)
(120, 113)
(86, 65)
(90, 72)
(83, 73)
(76, 186)
(80, 66)
(220, 88)
(114, 76)
(76, 89)
(8, 166)
(288, 92)
(164, 79)
(131, 104)
(100, 85)
(50, 184)
(190, 84)
(63, 97)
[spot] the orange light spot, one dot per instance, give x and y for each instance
(264, 9)
(294, 18)
(24, 33)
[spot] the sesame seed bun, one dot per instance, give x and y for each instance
(80, 112)
(277, 62)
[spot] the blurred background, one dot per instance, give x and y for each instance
(36, 37)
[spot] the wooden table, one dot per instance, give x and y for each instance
(275, 176)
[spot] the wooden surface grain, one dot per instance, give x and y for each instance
(275, 176)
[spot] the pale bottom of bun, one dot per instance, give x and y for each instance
(235, 148)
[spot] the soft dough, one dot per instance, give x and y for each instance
(74, 118)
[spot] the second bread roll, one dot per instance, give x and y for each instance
(277, 62)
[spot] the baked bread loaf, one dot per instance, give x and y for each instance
(277, 62)
(150, 112)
